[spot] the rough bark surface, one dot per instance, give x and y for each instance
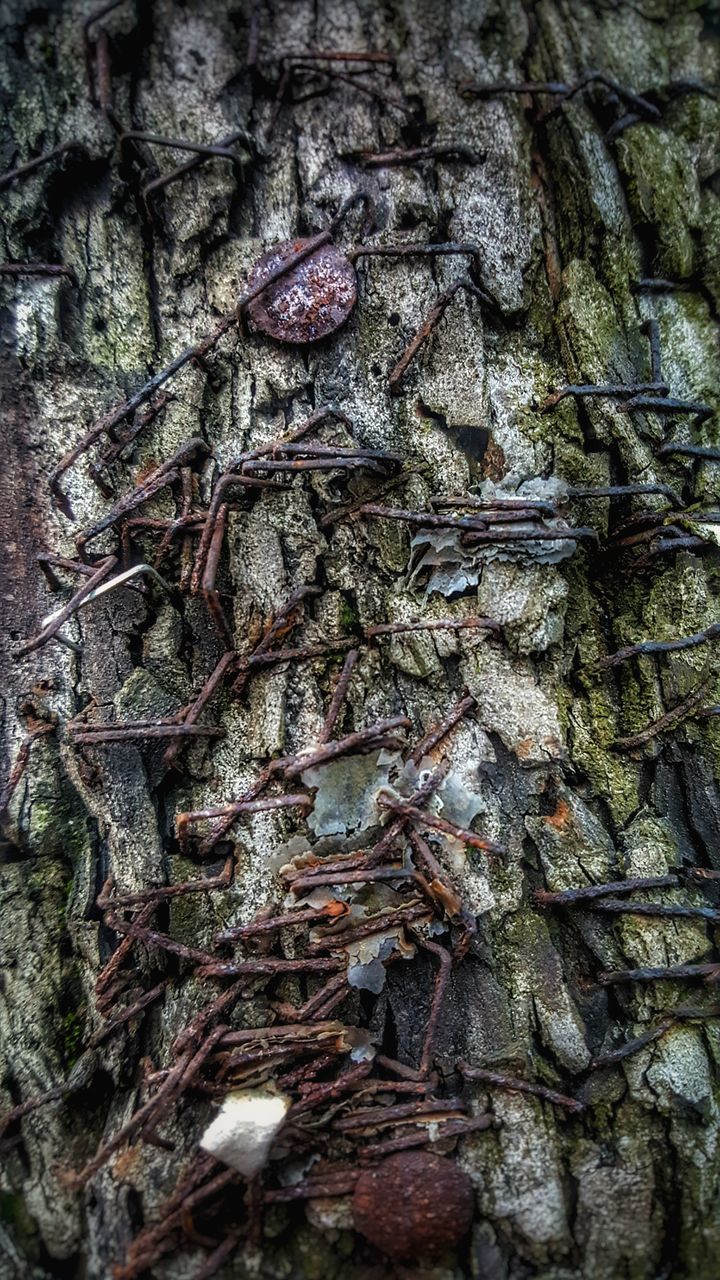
(565, 223)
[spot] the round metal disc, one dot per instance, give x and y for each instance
(311, 301)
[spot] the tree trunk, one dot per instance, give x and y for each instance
(566, 222)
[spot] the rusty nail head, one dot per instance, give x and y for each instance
(309, 302)
(413, 1205)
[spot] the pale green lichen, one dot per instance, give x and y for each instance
(663, 194)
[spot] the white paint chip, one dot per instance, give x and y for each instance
(244, 1129)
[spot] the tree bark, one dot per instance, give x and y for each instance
(565, 224)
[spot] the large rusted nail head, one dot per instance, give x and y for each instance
(413, 1204)
(309, 302)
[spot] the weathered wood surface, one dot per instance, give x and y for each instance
(564, 224)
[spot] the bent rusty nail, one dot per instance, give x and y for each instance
(689, 450)
(343, 78)
(515, 1084)
(331, 994)
(501, 504)
(661, 973)
(204, 150)
(398, 1068)
(623, 490)
(208, 588)
(432, 624)
(576, 897)
(656, 284)
(669, 404)
(163, 892)
(400, 156)
(338, 697)
(151, 938)
(21, 763)
(107, 975)
(562, 90)
(251, 57)
(101, 80)
(417, 249)
(311, 449)
(635, 100)
(227, 481)
(425, 1110)
(441, 1133)
(624, 122)
(609, 391)
(49, 560)
(312, 1189)
(349, 1079)
(269, 965)
(429, 325)
(165, 179)
(618, 907)
(425, 819)
(219, 831)
(287, 618)
(362, 739)
(122, 1018)
(442, 982)
(661, 646)
(50, 269)
(581, 533)
(474, 526)
(163, 475)
(435, 734)
(332, 938)
(683, 711)
(116, 448)
(243, 806)
(298, 1077)
(366, 875)
(220, 1253)
(396, 827)
(53, 625)
(554, 88)
(681, 1014)
(353, 508)
(197, 706)
(289, 920)
(126, 732)
(24, 170)
(125, 410)
(100, 13)
(179, 1074)
(76, 1082)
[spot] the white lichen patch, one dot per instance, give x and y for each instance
(524, 1186)
(346, 792)
(528, 601)
(676, 1069)
(244, 1129)
(512, 703)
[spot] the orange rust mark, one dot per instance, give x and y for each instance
(145, 471)
(494, 465)
(561, 817)
(125, 1162)
(337, 908)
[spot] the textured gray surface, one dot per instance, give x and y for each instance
(564, 223)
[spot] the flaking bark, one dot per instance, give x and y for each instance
(564, 224)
